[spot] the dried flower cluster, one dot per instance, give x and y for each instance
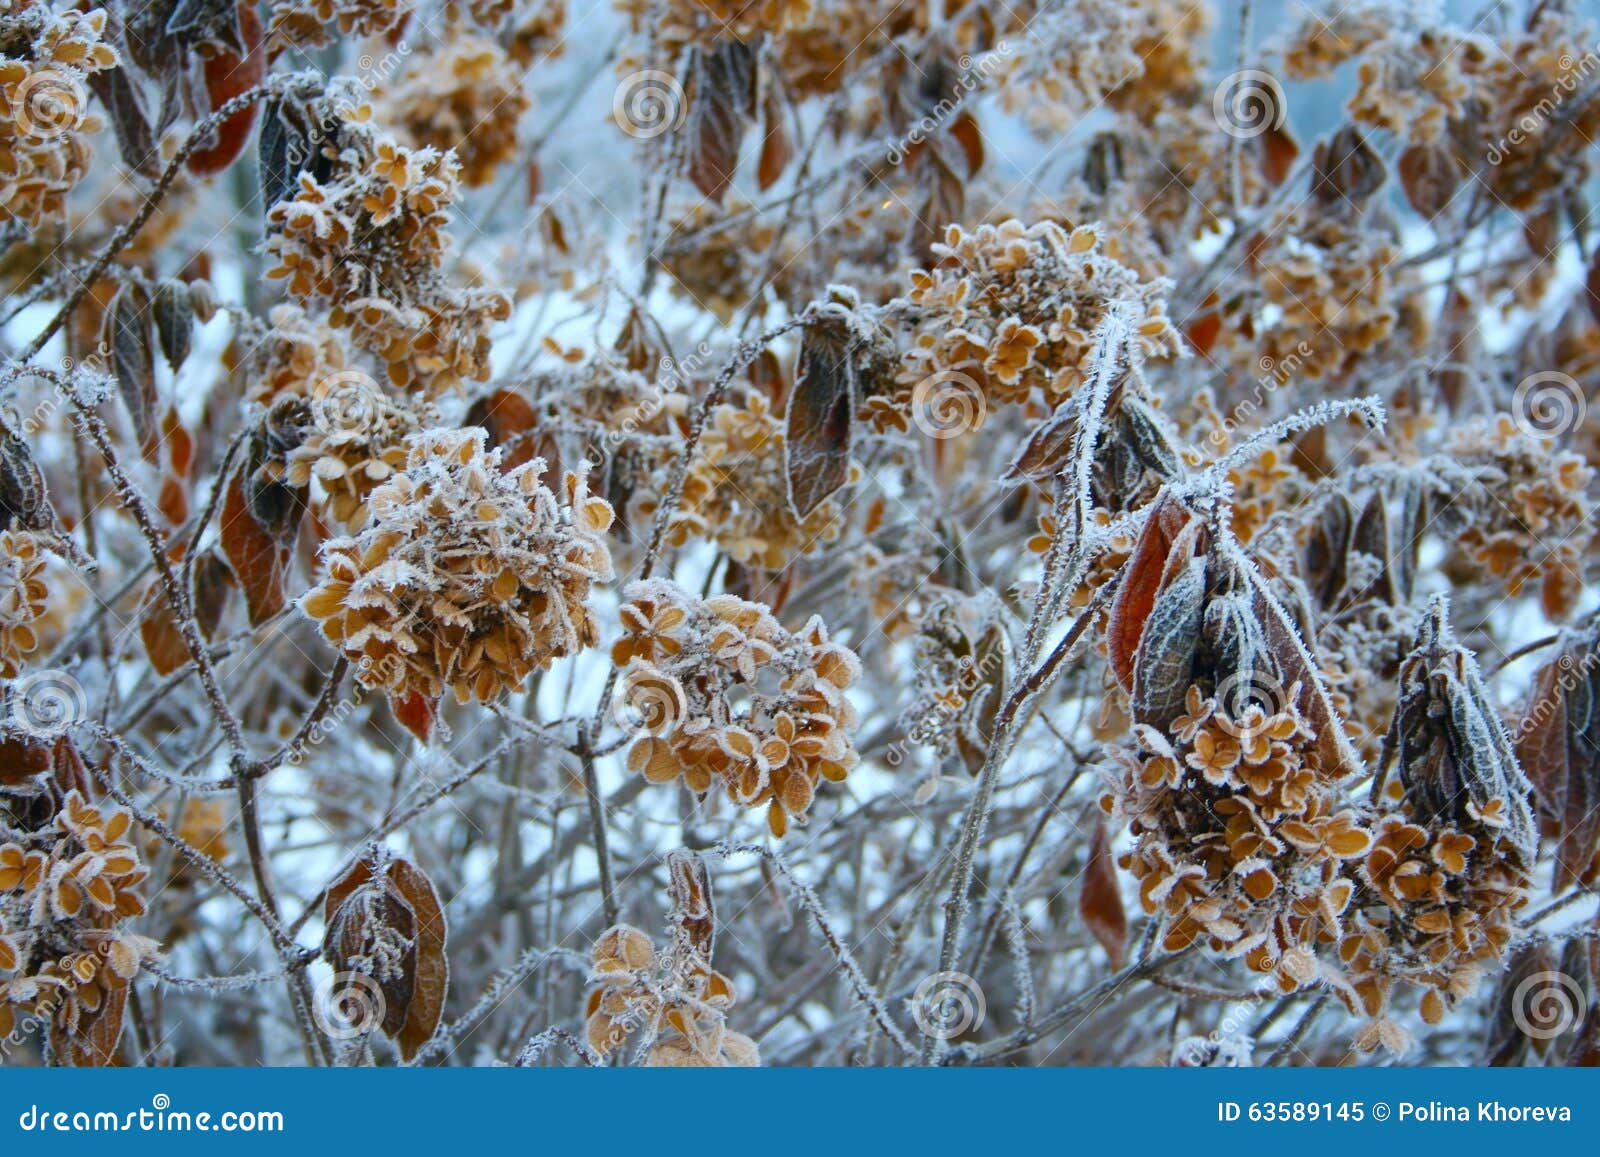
(1077, 518)
(67, 892)
(470, 576)
(47, 55)
(369, 241)
(1014, 308)
(728, 697)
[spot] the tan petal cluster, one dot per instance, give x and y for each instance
(466, 95)
(466, 577)
(23, 598)
(1013, 308)
(724, 696)
(47, 53)
(65, 957)
(671, 999)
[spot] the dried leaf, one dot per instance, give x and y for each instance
(163, 642)
(817, 442)
(694, 917)
(965, 131)
(174, 315)
(132, 358)
(255, 556)
(1429, 177)
(1100, 899)
(1278, 152)
(431, 981)
(1142, 580)
(228, 74)
(136, 140)
(416, 711)
(1046, 449)
(724, 99)
(777, 150)
(511, 421)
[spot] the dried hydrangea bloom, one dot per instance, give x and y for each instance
(1526, 518)
(370, 242)
(1014, 309)
(1445, 877)
(355, 441)
(1238, 841)
(727, 697)
(1333, 285)
(466, 96)
(304, 23)
(64, 895)
(47, 53)
(23, 598)
(467, 577)
(736, 493)
(673, 1000)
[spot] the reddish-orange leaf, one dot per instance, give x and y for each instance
(1202, 332)
(1100, 901)
(432, 977)
(163, 642)
(227, 76)
(776, 148)
(969, 136)
(1141, 582)
(1278, 151)
(256, 559)
(417, 711)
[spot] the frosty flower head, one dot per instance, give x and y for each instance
(46, 58)
(763, 713)
(736, 493)
(1015, 307)
(355, 441)
(466, 577)
(22, 598)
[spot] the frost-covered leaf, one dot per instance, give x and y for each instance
(1100, 898)
(817, 442)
